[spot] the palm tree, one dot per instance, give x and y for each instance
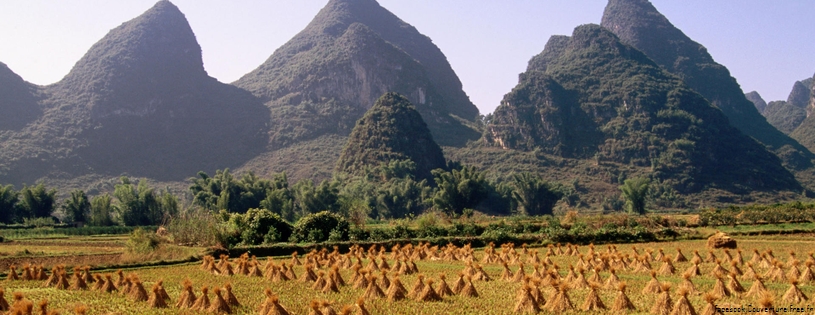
(634, 191)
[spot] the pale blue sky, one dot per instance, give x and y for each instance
(767, 45)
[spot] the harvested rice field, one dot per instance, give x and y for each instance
(553, 281)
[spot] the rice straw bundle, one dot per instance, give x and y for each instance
(711, 257)
(794, 294)
(560, 302)
(718, 270)
(682, 305)
(230, 297)
(320, 282)
(663, 303)
(757, 289)
(62, 283)
(612, 280)
(43, 305)
(679, 256)
(187, 297)
(710, 307)
(520, 274)
(98, 283)
(396, 291)
(219, 305)
(733, 285)
(156, 299)
(373, 290)
(696, 259)
(384, 281)
(314, 308)
(443, 289)
(667, 267)
(622, 302)
(137, 292)
(308, 274)
(766, 304)
(108, 287)
(719, 289)
(653, 286)
(749, 272)
(202, 303)
(458, 284)
(417, 288)
(734, 268)
(687, 285)
(326, 308)
(79, 282)
(593, 301)
(429, 294)
(580, 280)
(807, 275)
(468, 290)
(525, 302)
(12, 274)
(360, 306)
(3, 303)
(793, 272)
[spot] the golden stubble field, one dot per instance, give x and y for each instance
(496, 296)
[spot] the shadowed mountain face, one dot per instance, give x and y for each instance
(784, 116)
(140, 102)
(18, 100)
(391, 130)
(328, 75)
(805, 133)
(757, 100)
(592, 96)
(639, 24)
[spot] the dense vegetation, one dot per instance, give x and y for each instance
(784, 116)
(639, 24)
(593, 97)
(391, 130)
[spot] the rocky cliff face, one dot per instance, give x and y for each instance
(18, 100)
(592, 96)
(140, 102)
(329, 74)
(391, 130)
(638, 23)
(757, 101)
(784, 116)
(800, 94)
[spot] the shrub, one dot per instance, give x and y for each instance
(263, 226)
(198, 226)
(142, 242)
(318, 227)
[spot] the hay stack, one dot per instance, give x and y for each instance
(525, 302)
(794, 294)
(595, 276)
(108, 287)
(429, 294)
(12, 274)
(373, 290)
(719, 289)
(337, 277)
(612, 280)
(679, 256)
(480, 274)
(653, 286)
(120, 281)
(667, 268)
(622, 302)
(27, 275)
(202, 303)
(687, 285)
(41, 275)
(443, 289)
(757, 289)
(560, 302)
(793, 272)
(43, 305)
(663, 303)
(314, 308)
(326, 309)
(137, 292)
(593, 301)
(766, 303)
(4, 307)
(187, 297)
(384, 281)
(579, 281)
(682, 305)
(320, 282)
(733, 285)
(308, 274)
(99, 283)
(79, 282)
(330, 284)
(124, 289)
(360, 305)
(396, 291)
(458, 284)
(230, 297)
(87, 275)
(710, 307)
(156, 299)
(520, 274)
(468, 290)
(418, 287)
(219, 305)
(734, 268)
(806, 275)
(749, 272)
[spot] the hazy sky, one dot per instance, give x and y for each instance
(767, 45)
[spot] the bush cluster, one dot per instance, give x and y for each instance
(755, 214)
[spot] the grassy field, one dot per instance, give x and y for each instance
(495, 297)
